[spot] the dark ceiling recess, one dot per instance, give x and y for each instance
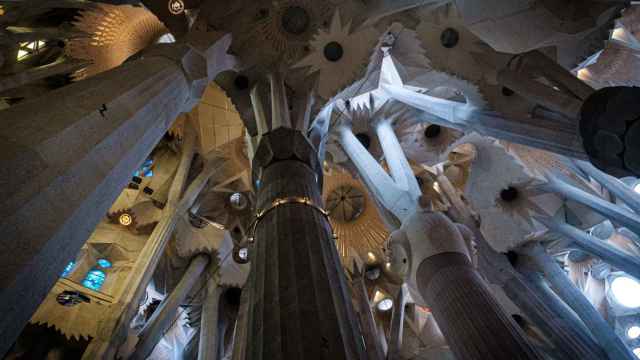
(333, 51)
(241, 82)
(509, 194)
(449, 38)
(295, 20)
(432, 131)
(364, 139)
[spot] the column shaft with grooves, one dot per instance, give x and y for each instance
(300, 305)
(470, 318)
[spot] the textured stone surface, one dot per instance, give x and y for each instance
(300, 304)
(453, 287)
(610, 129)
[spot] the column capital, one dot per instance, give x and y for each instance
(285, 144)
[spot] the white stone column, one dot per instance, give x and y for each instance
(165, 314)
(208, 346)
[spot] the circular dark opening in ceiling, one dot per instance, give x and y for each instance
(241, 82)
(295, 20)
(449, 38)
(364, 139)
(333, 51)
(432, 131)
(509, 194)
(507, 92)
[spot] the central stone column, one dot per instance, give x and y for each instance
(300, 305)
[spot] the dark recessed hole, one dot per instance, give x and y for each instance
(364, 139)
(147, 190)
(136, 179)
(333, 51)
(420, 181)
(295, 20)
(133, 186)
(507, 92)
(232, 296)
(263, 13)
(449, 38)
(509, 194)
(512, 257)
(241, 82)
(432, 131)
(61, 44)
(519, 320)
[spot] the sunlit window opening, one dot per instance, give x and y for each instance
(626, 291)
(68, 269)
(27, 49)
(636, 352)
(94, 279)
(637, 188)
(166, 39)
(633, 332)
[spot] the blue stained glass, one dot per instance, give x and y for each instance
(94, 279)
(68, 269)
(145, 169)
(104, 263)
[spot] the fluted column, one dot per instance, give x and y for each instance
(165, 314)
(397, 325)
(571, 341)
(65, 159)
(300, 304)
(604, 334)
(470, 318)
(367, 322)
(208, 346)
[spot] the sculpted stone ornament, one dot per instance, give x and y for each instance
(421, 236)
(430, 251)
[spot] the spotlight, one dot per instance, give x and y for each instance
(125, 219)
(626, 291)
(385, 305)
(633, 332)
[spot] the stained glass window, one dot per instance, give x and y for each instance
(94, 279)
(68, 269)
(145, 169)
(104, 263)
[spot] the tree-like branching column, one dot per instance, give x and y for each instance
(300, 304)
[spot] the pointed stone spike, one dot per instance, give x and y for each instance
(451, 111)
(258, 109)
(401, 171)
(601, 206)
(279, 105)
(615, 186)
(587, 243)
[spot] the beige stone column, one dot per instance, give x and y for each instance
(208, 346)
(165, 314)
(65, 158)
